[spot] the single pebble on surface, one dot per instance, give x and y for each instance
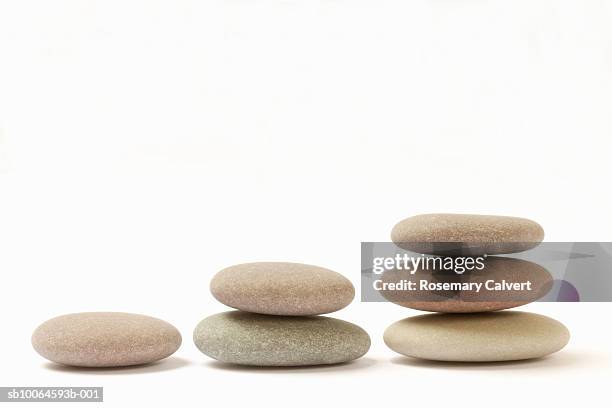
(105, 339)
(264, 340)
(466, 234)
(477, 337)
(282, 288)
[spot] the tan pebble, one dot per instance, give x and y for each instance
(282, 288)
(477, 337)
(497, 269)
(467, 234)
(105, 339)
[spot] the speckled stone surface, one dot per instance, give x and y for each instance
(282, 288)
(499, 269)
(264, 340)
(475, 234)
(105, 339)
(477, 337)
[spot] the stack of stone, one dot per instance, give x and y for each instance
(469, 325)
(276, 322)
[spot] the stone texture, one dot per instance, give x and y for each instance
(478, 337)
(470, 301)
(105, 339)
(264, 340)
(282, 288)
(466, 234)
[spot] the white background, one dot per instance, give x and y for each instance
(145, 145)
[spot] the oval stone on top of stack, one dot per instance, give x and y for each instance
(466, 234)
(496, 269)
(477, 337)
(263, 340)
(282, 288)
(105, 339)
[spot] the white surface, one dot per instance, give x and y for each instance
(144, 145)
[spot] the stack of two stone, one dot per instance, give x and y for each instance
(275, 324)
(469, 325)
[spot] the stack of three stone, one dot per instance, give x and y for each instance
(469, 325)
(276, 322)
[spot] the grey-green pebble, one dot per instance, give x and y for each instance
(266, 340)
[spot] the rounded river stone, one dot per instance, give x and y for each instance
(105, 339)
(509, 271)
(466, 234)
(264, 340)
(477, 337)
(282, 288)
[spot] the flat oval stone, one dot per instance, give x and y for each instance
(105, 339)
(264, 340)
(466, 234)
(497, 269)
(282, 288)
(478, 337)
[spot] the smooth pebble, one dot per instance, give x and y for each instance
(105, 339)
(497, 269)
(477, 337)
(282, 288)
(264, 340)
(466, 234)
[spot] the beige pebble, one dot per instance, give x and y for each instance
(264, 340)
(105, 339)
(477, 337)
(466, 234)
(498, 269)
(282, 288)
